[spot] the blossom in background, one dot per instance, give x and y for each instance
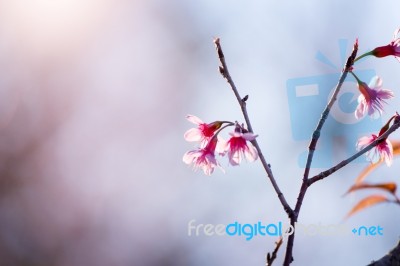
(203, 158)
(203, 133)
(393, 48)
(383, 150)
(371, 98)
(237, 147)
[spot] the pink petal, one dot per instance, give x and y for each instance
(235, 134)
(221, 146)
(388, 153)
(373, 156)
(364, 141)
(389, 160)
(194, 119)
(235, 158)
(249, 136)
(396, 32)
(189, 157)
(361, 107)
(251, 153)
(385, 94)
(376, 82)
(193, 134)
(209, 164)
(374, 112)
(208, 169)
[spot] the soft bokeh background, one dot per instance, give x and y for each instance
(93, 98)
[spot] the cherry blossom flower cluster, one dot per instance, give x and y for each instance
(371, 100)
(384, 149)
(211, 143)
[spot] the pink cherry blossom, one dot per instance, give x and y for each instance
(383, 150)
(203, 158)
(237, 147)
(203, 132)
(393, 48)
(371, 98)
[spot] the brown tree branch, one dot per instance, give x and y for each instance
(315, 137)
(223, 69)
(322, 175)
(391, 259)
(271, 258)
(307, 182)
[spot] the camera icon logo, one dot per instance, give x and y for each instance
(307, 98)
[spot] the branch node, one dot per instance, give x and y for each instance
(221, 71)
(316, 134)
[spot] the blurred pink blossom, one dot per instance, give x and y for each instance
(393, 48)
(371, 98)
(384, 150)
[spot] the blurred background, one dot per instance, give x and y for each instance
(93, 99)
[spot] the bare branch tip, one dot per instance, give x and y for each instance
(396, 119)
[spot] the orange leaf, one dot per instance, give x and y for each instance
(368, 170)
(367, 202)
(390, 187)
(396, 147)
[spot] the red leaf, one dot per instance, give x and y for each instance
(367, 202)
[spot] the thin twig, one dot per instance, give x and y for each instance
(397, 199)
(343, 163)
(307, 182)
(223, 69)
(315, 137)
(317, 132)
(271, 258)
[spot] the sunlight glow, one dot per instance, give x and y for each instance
(51, 25)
